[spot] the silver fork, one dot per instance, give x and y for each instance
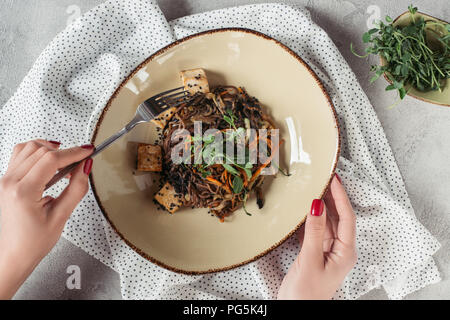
(146, 111)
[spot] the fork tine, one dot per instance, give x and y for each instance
(173, 96)
(179, 103)
(169, 102)
(165, 92)
(174, 102)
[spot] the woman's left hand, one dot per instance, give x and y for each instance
(328, 250)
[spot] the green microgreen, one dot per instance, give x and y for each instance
(238, 184)
(410, 56)
(243, 204)
(283, 172)
(230, 118)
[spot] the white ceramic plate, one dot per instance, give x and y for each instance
(192, 241)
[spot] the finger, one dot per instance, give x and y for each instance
(332, 215)
(301, 235)
(23, 150)
(16, 150)
(63, 206)
(346, 230)
(24, 167)
(46, 200)
(329, 235)
(312, 248)
(46, 167)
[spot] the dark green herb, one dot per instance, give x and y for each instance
(410, 58)
(238, 184)
(230, 169)
(243, 203)
(284, 173)
(230, 118)
(203, 171)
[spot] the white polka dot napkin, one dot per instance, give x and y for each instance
(70, 83)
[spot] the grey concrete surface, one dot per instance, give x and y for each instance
(419, 133)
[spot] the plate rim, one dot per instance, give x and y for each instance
(145, 62)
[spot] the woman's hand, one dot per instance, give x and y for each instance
(328, 252)
(30, 223)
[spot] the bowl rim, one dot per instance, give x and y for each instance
(382, 60)
(145, 62)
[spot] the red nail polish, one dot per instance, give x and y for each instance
(88, 146)
(317, 207)
(337, 177)
(88, 166)
(55, 142)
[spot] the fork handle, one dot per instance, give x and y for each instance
(102, 146)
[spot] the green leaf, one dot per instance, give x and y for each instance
(404, 70)
(402, 92)
(388, 19)
(398, 85)
(374, 78)
(412, 9)
(406, 57)
(248, 172)
(354, 52)
(366, 37)
(196, 138)
(228, 120)
(238, 184)
(390, 87)
(230, 169)
(206, 173)
(209, 139)
(389, 30)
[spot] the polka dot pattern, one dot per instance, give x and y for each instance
(70, 83)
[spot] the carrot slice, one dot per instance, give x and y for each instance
(223, 176)
(258, 171)
(245, 176)
(216, 182)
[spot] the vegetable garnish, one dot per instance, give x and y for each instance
(229, 117)
(229, 170)
(411, 59)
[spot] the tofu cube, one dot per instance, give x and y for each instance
(162, 119)
(168, 198)
(195, 80)
(149, 158)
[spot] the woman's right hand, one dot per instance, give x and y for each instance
(30, 223)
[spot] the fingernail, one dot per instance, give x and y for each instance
(88, 166)
(88, 146)
(317, 207)
(55, 142)
(337, 177)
